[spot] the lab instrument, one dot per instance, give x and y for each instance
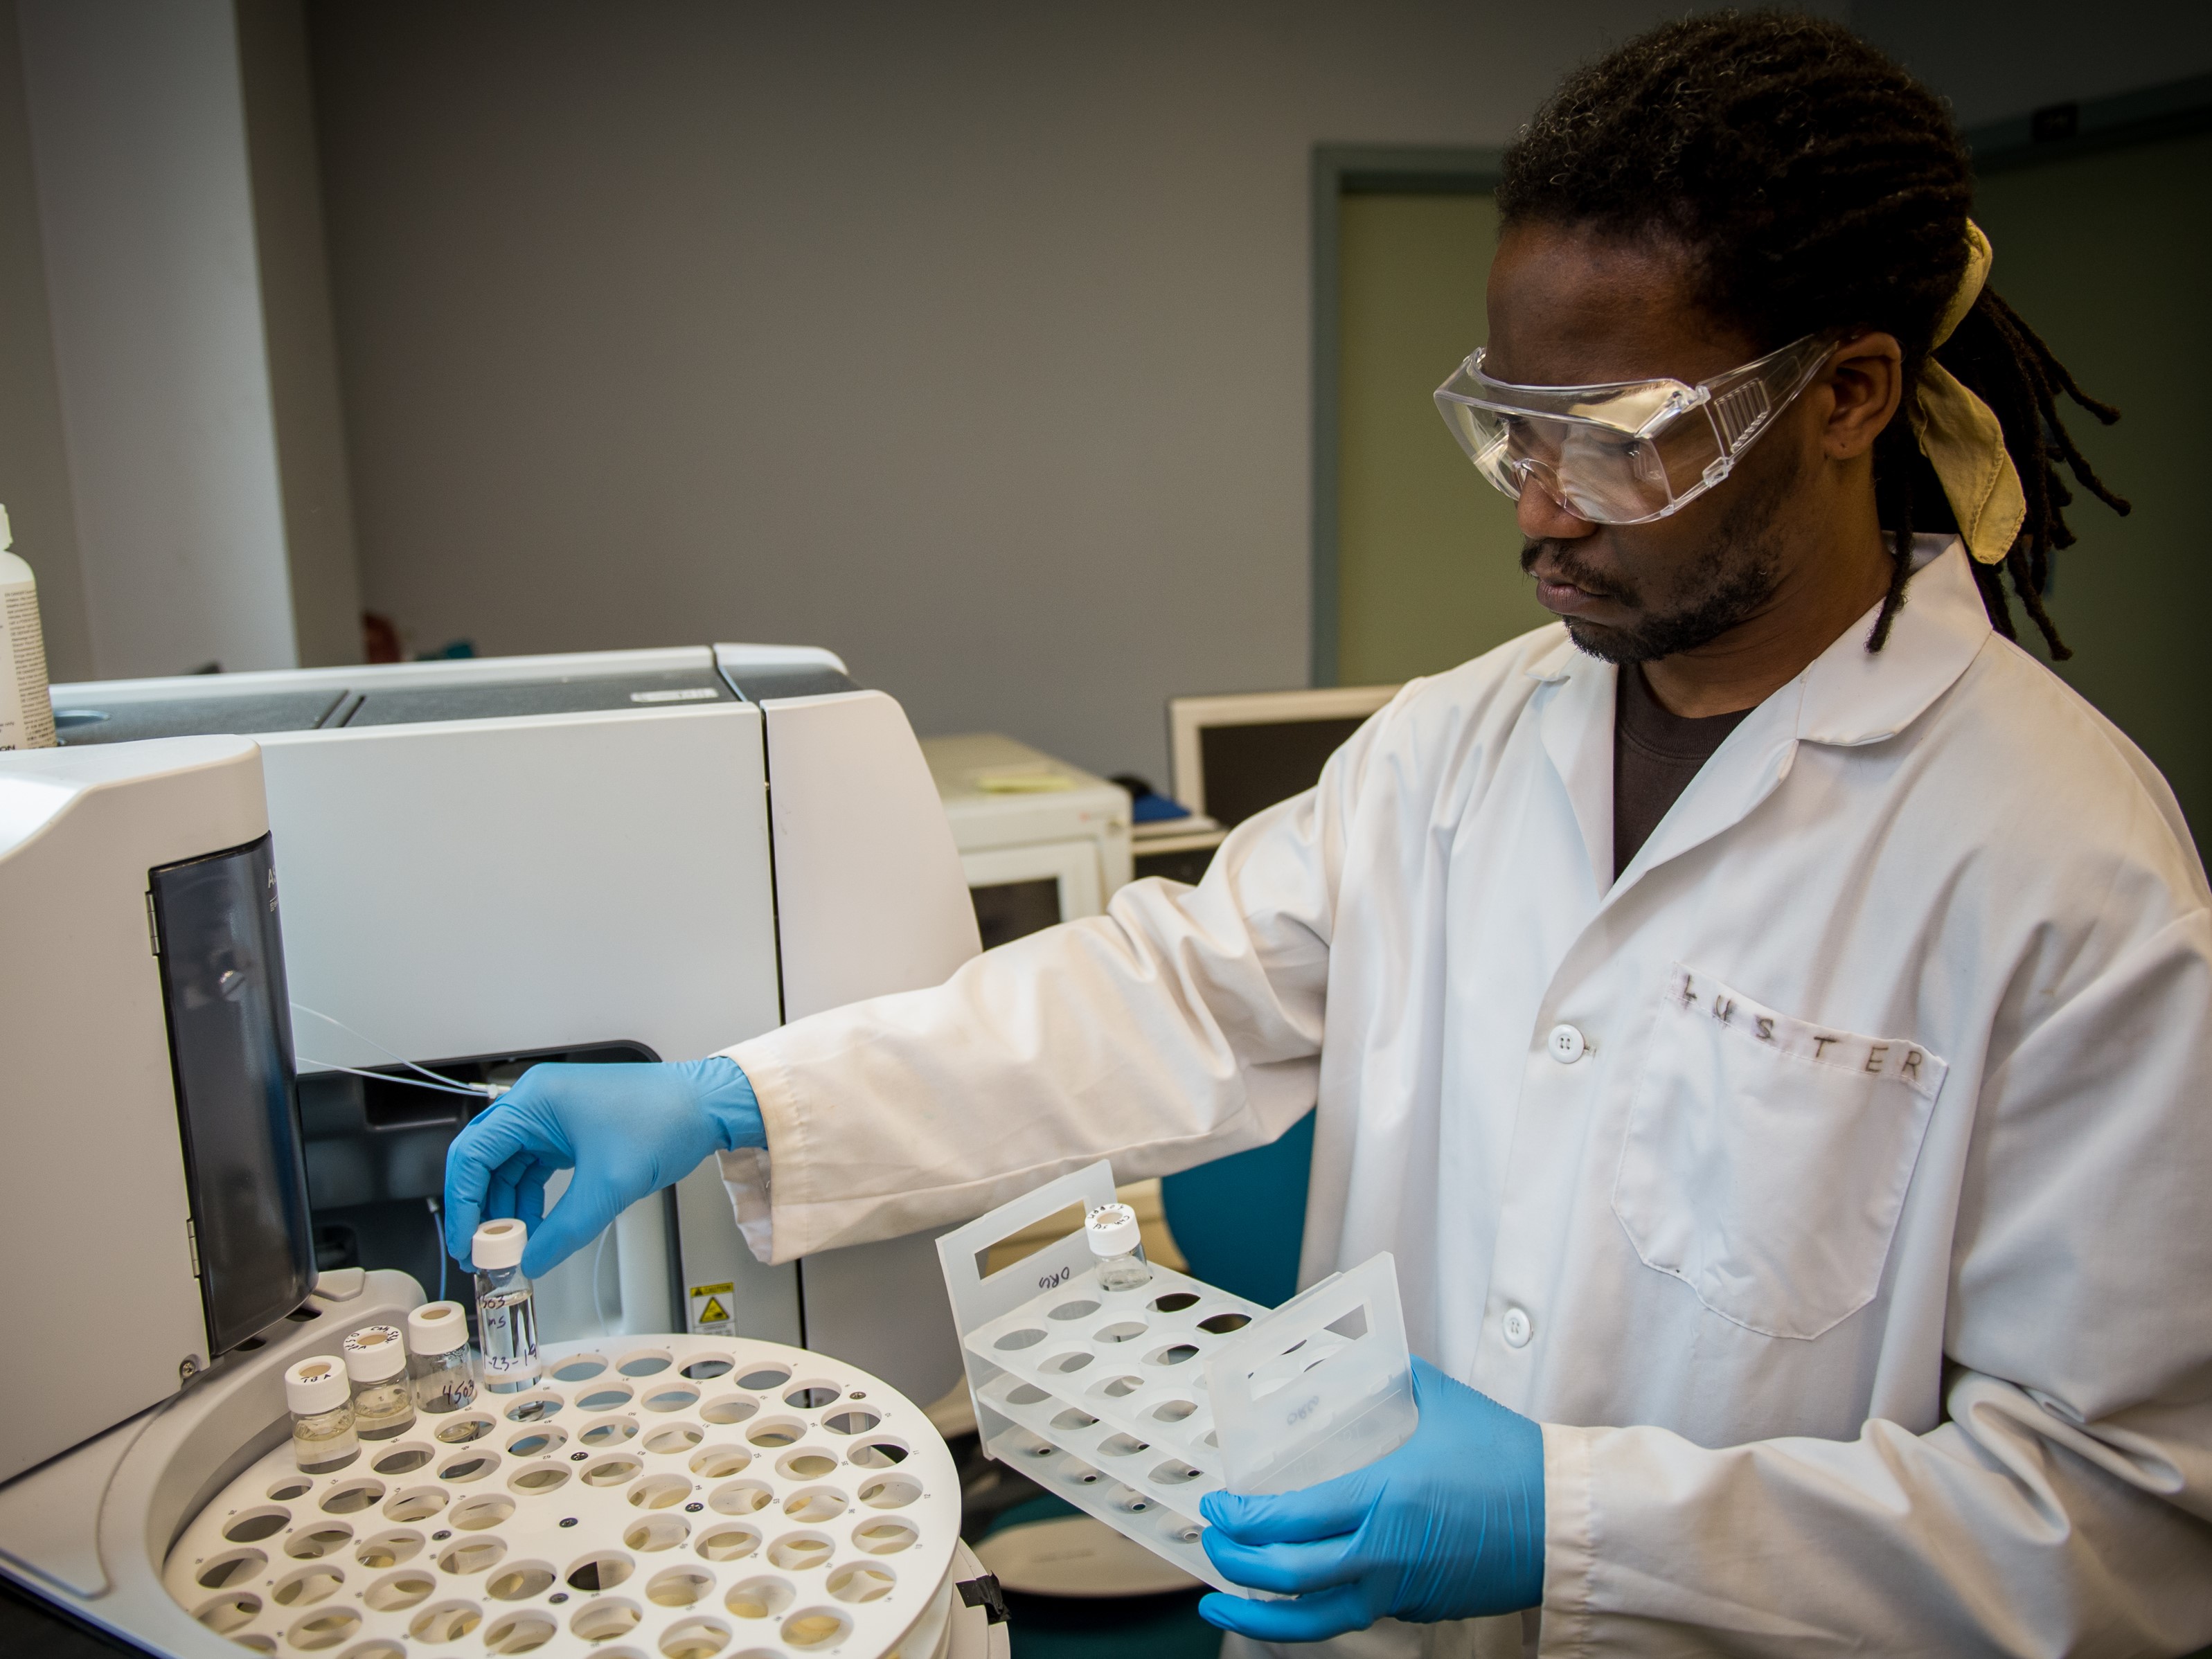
(321, 1399)
(506, 1322)
(383, 1395)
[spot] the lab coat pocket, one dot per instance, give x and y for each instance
(1767, 1159)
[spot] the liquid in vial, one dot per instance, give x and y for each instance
(1115, 1240)
(506, 1315)
(438, 1358)
(382, 1397)
(321, 1399)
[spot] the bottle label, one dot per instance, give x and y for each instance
(27, 715)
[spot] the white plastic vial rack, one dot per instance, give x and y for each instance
(1133, 1404)
(694, 1497)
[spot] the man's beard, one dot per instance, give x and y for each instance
(1730, 582)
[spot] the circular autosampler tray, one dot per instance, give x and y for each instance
(651, 1497)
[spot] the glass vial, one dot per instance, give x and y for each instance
(1115, 1240)
(321, 1400)
(506, 1315)
(27, 714)
(438, 1358)
(383, 1399)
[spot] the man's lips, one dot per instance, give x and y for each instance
(1564, 597)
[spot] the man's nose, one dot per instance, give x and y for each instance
(1545, 518)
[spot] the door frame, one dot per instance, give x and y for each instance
(2052, 133)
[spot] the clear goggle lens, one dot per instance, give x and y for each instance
(1625, 453)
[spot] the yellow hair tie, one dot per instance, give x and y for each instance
(1960, 436)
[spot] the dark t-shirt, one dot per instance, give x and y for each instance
(1654, 756)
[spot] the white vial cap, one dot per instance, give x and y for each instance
(316, 1385)
(375, 1353)
(437, 1327)
(1112, 1230)
(499, 1244)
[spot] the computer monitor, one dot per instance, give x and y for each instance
(1235, 756)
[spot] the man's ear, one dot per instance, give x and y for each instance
(1866, 382)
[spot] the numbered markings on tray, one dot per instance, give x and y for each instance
(728, 1543)
(519, 1581)
(403, 1459)
(607, 1432)
(395, 1592)
(600, 1621)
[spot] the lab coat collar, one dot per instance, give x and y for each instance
(1847, 697)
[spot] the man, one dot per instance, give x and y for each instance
(1766, 1017)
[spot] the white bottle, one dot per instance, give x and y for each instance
(321, 1400)
(1119, 1245)
(27, 715)
(506, 1315)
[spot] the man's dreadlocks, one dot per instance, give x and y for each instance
(1816, 185)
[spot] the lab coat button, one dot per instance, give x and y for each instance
(1566, 1044)
(1516, 1325)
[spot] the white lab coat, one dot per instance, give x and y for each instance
(1859, 1268)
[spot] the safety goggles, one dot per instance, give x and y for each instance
(1624, 453)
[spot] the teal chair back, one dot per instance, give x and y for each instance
(1239, 1220)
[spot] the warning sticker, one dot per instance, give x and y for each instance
(710, 1309)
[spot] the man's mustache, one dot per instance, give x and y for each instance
(1571, 568)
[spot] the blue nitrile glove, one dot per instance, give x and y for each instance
(1448, 1526)
(626, 1130)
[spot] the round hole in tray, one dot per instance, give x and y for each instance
(607, 1432)
(812, 1506)
(484, 1509)
(518, 1581)
(612, 1471)
(1173, 1411)
(853, 1421)
(231, 1567)
(695, 1638)
(1174, 1473)
(879, 1454)
(307, 1586)
(890, 1492)
(525, 1631)
(1076, 1472)
(646, 1362)
(655, 1533)
(816, 1628)
(812, 1396)
(673, 1438)
(375, 1648)
(536, 1442)
(1174, 1301)
(1026, 1394)
(1129, 1501)
(534, 1409)
(255, 1525)
(579, 1367)
(471, 1555)
(1222, 1323)
(861, 1581)
(414, 1503)
(255, 1642)
(1119, 1388)
(777, 1431)
(728, 1543)
(398, 1590)
(884, 1536)
(798, 1552)
(762, 1378)
(462, 1429)
(1074, 1421)
(1123, 1445)
(1080, 1308)
(323, 1629)
(740, 1498)
(730, 1408)
(469, 1466)
(670, 1397)
(680, 1587)
(706, 1367)
(759, 1598)
(285, 1488)
(1182, 1531)
(228, 1612)
(1175, 1353)
(720, 1463)
(659, 1492)
(807, 1463)
(448, 1621)
(600, 1621)
(403, 1459)
(1027, 1338)
(601, 1570)
(388, 1549)
(351, 1497)
(1125, 1330)
(312, 1543)
(607, 1396)
(1065, 1364)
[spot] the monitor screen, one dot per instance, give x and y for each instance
(1250, 767)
